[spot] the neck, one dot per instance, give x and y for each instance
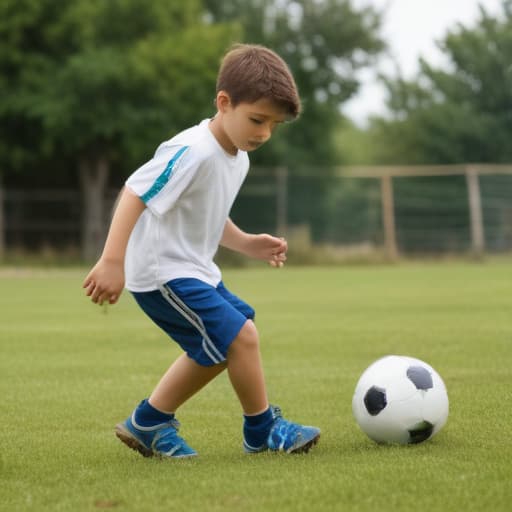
(217, 129)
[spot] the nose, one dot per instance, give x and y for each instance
(265, 133)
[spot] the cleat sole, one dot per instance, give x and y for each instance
(307, 446)
(132, 442)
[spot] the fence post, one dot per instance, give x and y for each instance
(2, 221)
(475, 212)
(388, 217)
(282, 201)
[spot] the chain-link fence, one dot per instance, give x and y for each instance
(400, 210)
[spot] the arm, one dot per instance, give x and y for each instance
(105, 281)
(261, 247)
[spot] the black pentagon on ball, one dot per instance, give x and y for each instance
(420, 377)
(375, 400)
(420, 432)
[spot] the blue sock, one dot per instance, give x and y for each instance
(147, 416)
(257, 428)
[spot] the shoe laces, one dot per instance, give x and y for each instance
(169, 433)
(170, 427)
(286, 431)
(168, 442)
(276, 411)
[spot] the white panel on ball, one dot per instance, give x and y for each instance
(400, 399)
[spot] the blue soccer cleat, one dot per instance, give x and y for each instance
(159, 441)
(286, 436)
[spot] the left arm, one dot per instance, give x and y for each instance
(261, 247)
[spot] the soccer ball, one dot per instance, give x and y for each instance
(400, 399)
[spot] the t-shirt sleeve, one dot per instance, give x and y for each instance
(160, 182)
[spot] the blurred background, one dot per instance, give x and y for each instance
(403, 149)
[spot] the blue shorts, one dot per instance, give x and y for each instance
(202, 319)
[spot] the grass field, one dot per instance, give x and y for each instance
(69, 372)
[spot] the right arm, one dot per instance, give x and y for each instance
(105, 281)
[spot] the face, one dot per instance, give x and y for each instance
(248, 125)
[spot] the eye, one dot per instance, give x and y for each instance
(256, 121)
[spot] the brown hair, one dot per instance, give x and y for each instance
(251, 72)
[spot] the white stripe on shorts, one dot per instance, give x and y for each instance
(208, 346)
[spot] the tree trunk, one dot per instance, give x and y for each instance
(94, 175)
(2, 222)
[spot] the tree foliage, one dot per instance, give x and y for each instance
(89, 77)
(459, 114)
(324, 43)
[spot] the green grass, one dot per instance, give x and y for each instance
(69, 372)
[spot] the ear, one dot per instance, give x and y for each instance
(223, 101)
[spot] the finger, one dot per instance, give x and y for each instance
(282, 243)
(273, 241)
(281, 257)
(90, 289)
(89, 278)
(97, 296)
(280, 250)
(102, 300)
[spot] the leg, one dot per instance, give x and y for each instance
(182, 380)
(159, 436)
(264, 426)
(245, 370)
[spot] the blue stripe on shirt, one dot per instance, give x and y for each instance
(163, 179)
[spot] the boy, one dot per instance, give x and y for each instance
(170, 219)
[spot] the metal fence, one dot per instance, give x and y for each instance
(397, 210)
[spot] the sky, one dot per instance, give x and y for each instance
(411, 29)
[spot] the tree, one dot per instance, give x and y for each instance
(98, 82)
(459, 114)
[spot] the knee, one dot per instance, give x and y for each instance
(247, 338)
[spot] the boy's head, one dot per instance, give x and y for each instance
(249, 73)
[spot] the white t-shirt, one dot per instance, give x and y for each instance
(189, 187)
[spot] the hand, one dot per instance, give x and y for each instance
(268, 248)
(105, 282)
